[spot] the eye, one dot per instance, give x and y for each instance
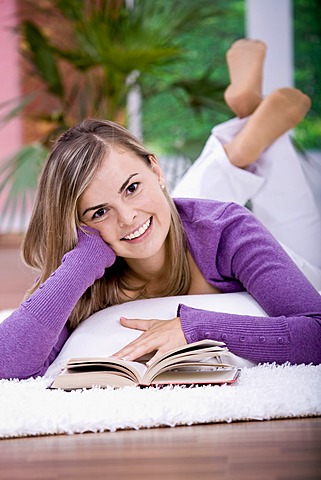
(99, 214)
(132, 188)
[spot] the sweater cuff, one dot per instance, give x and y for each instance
(260, 339)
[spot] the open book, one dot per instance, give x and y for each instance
(196, 363)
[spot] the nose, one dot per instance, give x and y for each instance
(126, 215)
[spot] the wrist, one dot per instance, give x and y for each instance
(91, 255)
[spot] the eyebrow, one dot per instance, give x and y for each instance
(96, 207)
(122, 188)
(124, 185)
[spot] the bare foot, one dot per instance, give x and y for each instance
(245, 64)
(280, 111)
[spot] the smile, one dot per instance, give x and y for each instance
(138, 233)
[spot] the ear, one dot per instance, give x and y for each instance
(156, 168)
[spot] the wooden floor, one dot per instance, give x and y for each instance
(273, 450)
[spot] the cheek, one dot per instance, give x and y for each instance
(164, 208)
(107, 234)
(106, 231)
(162, 218)
(155, 198)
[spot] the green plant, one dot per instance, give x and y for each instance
(307, 54)
(86, 69)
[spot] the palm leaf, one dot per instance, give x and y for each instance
(18, 179)
(17, 109)
(130, 39)
(106, 42)
(43, 57)
(202, 92)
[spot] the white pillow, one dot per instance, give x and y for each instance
(102, 335)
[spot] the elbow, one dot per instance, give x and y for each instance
(22, 373)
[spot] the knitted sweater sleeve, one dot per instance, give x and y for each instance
(32, 336)
(248, 255)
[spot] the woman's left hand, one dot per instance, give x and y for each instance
(159, 335)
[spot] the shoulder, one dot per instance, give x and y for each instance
(216, 232)
(222, 227)
(193, 210)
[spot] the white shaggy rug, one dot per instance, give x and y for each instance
(263, 392)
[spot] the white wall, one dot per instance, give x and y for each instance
(271, 21)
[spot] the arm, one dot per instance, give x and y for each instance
(247, 253)
(33, 335)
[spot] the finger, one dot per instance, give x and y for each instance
(137, 348)
(158, 354)
(136, 323)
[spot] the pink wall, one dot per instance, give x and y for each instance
(11, 134)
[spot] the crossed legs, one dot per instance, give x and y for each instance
(253, 158)
(270, 117)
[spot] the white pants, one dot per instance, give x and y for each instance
(281, 197)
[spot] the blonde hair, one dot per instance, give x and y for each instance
(72, 164)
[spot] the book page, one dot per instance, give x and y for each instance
(214, 375)
(191, 349)
(81, 380)
(203, 350)
(133, 370)
(194, 362)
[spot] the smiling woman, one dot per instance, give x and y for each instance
(100, 176)
(104, 230)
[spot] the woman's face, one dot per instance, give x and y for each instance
(126, 204)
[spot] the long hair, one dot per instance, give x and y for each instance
(72, 164)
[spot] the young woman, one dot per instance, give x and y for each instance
(104, 230)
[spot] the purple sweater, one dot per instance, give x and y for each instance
(233, 251)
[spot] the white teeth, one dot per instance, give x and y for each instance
(138, 232)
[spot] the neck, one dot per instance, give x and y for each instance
(150, 271)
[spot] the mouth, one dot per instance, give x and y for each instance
(139, 232)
